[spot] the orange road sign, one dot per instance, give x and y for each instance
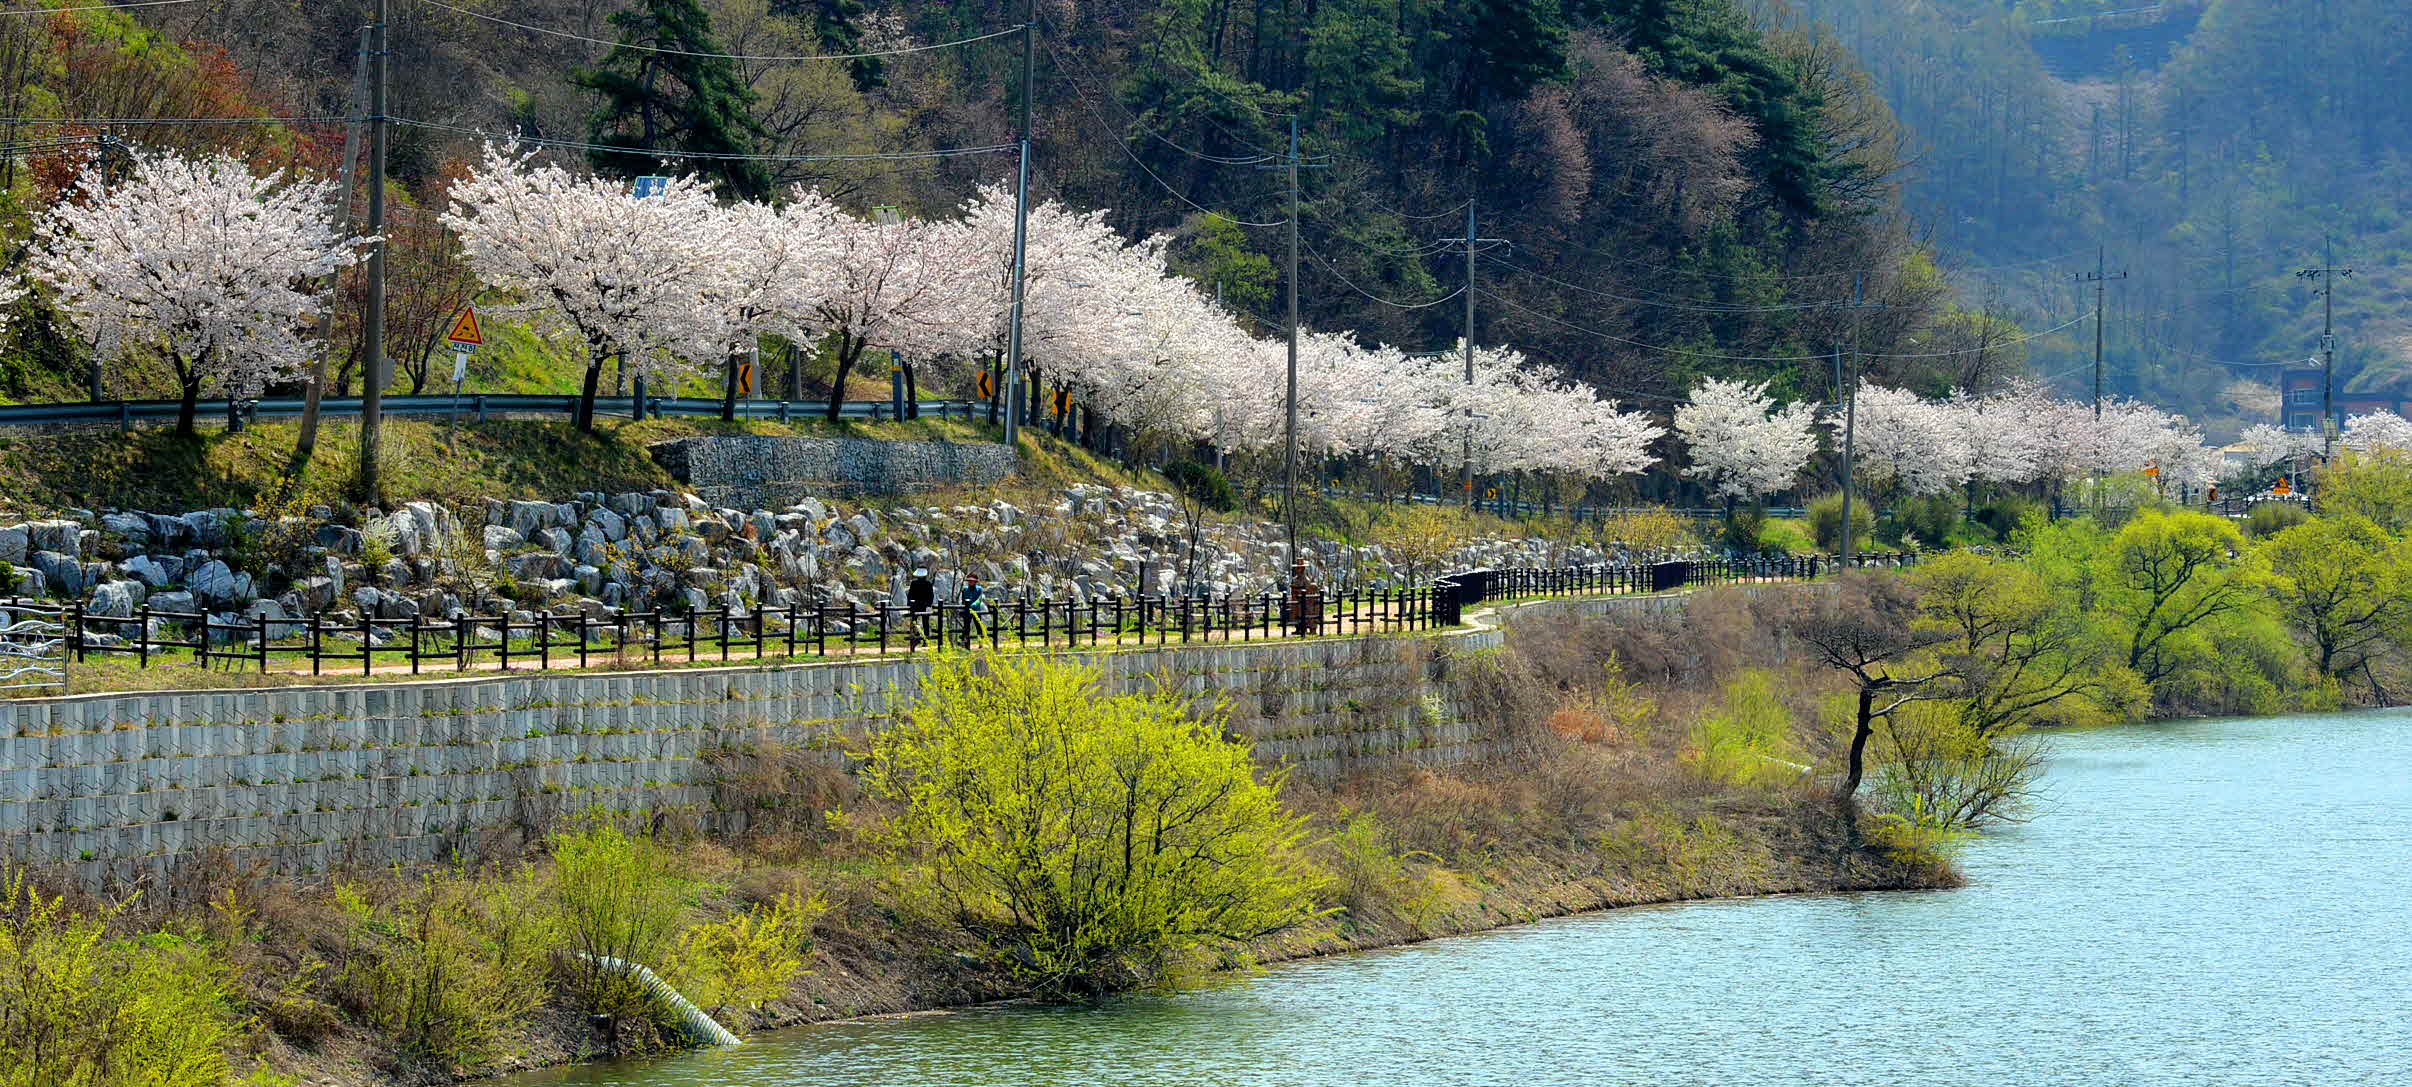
(745, 379)
(988, 384)
(465, 331)
(1063, 402)
(2284, 486)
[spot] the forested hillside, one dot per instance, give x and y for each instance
(2208, 145)
(1674, 188)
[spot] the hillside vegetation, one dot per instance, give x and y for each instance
(1684, 190)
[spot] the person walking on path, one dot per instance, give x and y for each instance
(921, 598)
(974, 603)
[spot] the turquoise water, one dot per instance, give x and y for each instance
(2204, 902)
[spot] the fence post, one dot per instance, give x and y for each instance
(260, 628)
(142, 634)
(368, 653)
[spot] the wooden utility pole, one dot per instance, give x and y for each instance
(2101, 278)
(1021, 229)
(2326, 275)
(372, 332)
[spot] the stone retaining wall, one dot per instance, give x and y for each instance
(314, 779)
(758, 471)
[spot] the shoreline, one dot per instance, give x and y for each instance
(1506, 899)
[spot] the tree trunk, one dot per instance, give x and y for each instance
(795, 371)
(1857, 768)
(728, 389)
(189, 407)
(912, 404)
(848, 352)
(586, 395)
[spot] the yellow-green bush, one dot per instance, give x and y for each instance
(619, 901)
(1095, 840)
(747, 959)
(1369, 871)
(452, 967)
(80, 1007)
(1748, 740)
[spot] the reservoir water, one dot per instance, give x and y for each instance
(2204, 902)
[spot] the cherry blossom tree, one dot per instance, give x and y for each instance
(644, 281)
(776, 279)
(1906, 440)
(2272, 444)
(915, 287)
(2378, 430)
(1741, 442)
(195, 262)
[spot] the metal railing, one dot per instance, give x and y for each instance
(509, 641)
(126, 413)
(34, 647)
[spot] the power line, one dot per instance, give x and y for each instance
(1083, 93)
(98, 7)
(1694, 307)
(1511, 304)
(718, 56)
(1158, 178)
(1334, 271)
(713, 156)
(131, 121)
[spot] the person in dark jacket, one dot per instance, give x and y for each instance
(975, 607)
(921, 601)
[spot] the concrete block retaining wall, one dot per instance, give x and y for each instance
(313, 779)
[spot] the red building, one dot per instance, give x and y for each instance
(2299, 400)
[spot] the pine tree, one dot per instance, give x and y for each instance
(663, 88)
(837, 25)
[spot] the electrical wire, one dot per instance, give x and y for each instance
(1083, 92)
(1334, 271)
(98, 7)
(1688, 306)
(1177, 194)
(1511, 304)
(712, 156)
(772, 59)
(132, 121)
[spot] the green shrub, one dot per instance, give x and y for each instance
(618, 900)
(452, 968)
(1925, 521)
(1825, 522)
(1742, 528)
(1368, 871)
(747, 959)
(8, 579)
(1748, 741)
(2267, 519)
(1204, 484)
(2003, 516)
(82, 1008)
(1096, 841)
(1786, 537)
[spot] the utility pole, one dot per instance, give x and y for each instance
(1292, 163)
(2101, 279)
(372, 324)
(1021, 230)
(2327, 275)
(1473, 243)
(1850, 412)
(1468, 482)
(1289, 431)
(315, 389)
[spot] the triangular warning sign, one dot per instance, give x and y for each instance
(465, 330)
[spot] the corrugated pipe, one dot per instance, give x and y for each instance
(701, 1027)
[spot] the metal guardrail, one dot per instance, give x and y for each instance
(476, 406)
